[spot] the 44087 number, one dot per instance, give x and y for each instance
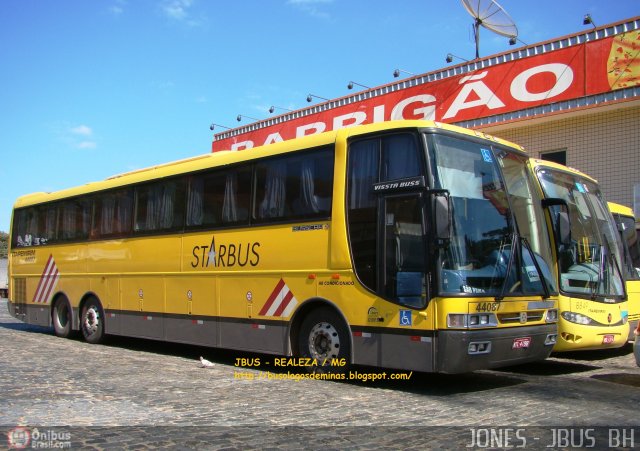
(487, 307)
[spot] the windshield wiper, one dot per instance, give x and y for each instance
(514, 241)
(545, 286)
(600, 280)
(607, 255)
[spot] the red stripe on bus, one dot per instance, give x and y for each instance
(36, 294)
(52, 278)
(285, 302)
(43, 279)
(272, 297)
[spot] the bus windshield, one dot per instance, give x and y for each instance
(591, 264)
(494, 249)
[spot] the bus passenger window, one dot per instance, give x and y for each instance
(219, 198)
(314, 188)
(194, 201)
(400, 157)
(47, 229)
(363, 173)
(294, 186)
(24, 224)
(112, 214)
(237, 195)
(159, 206)
(271, 194)
(74, 220)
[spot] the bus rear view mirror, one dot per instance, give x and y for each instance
(441, 209)
(560, 217)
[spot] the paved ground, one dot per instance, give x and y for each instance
(146, 395)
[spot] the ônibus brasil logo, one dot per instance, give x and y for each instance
(21, 437)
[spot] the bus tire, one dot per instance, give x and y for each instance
(324, 339)
(61, 316)
(92, 321)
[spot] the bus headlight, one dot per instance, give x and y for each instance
(552, 316)
(457, 320)
(468, 321)
(576, 318)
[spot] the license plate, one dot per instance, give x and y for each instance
(521, 343)
(608, 339)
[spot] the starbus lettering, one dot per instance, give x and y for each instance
(225, 255)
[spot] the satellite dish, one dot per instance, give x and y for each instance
(492, 16)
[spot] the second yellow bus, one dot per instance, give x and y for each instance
(593, 312)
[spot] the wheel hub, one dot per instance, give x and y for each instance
(324, 341)
(91, 320)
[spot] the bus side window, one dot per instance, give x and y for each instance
(294, 186)
(195, 196)
(32, 226)
(47, 229)
(20, 221)
(159, 206)
(70, 221)
(271, 189)
(237, 195)
(112, 214)
(400, 157)
(313, 186)
(219, 198)
(364, 163)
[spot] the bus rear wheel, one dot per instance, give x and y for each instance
(324, 340)
(92, 321)
(61, 317)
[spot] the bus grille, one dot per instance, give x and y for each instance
(19, 292)
(514, 317)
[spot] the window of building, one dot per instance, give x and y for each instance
(557, 156)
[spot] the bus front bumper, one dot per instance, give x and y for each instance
(461, 351)
(574, 337)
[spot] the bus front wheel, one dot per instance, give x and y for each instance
(92, 321)
(323, 342)
(62, 318)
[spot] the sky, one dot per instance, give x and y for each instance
(94, 88)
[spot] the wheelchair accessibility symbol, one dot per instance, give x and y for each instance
(405, 317)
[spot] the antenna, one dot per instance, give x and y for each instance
(492, 16)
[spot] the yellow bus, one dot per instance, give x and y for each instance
(592, 306)
(409, 244)
(626, 223)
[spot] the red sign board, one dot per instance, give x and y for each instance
(576, 71)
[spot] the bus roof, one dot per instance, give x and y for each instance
(227, 157)
(620, 209)
(552, 165)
